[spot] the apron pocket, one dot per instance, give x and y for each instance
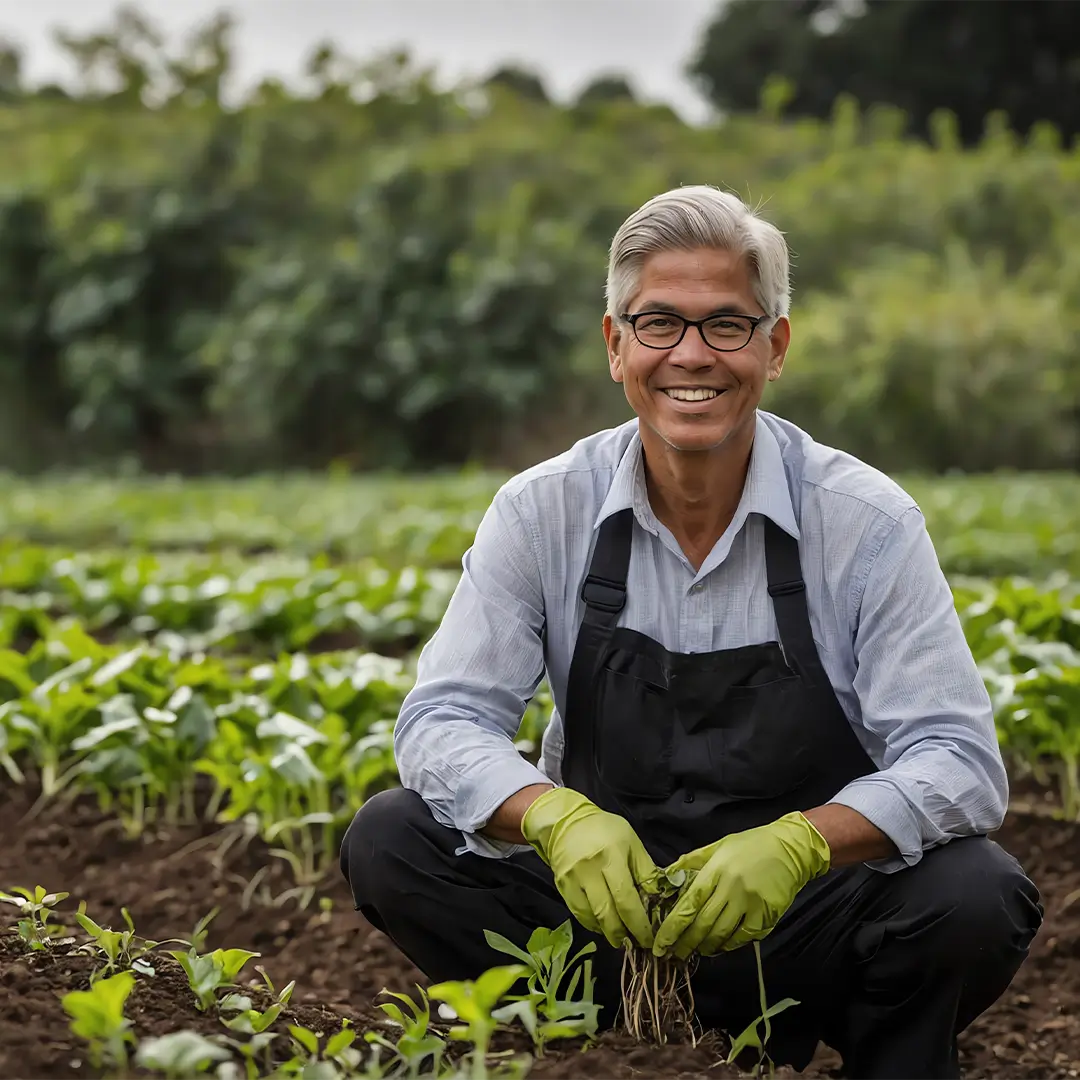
(760, 740)
(634, 726)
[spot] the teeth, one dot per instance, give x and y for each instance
(691, 395)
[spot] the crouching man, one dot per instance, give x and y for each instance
(758, 673)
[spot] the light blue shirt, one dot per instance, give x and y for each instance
(881, 610)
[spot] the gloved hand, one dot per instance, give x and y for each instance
(744, 884)
(601, 866)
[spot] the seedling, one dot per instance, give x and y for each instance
(37, 909)
(546, 958)
(416, 1044)
(98, 1017)
(179, 1054)
(657, 999)
(250, 1050)
(337, 1058)
(473, 1002)
(121, 948)
(211, 972)
(750, 1037)
(250, 1021)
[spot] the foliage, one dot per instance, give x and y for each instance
(97, 1015)
(916, 55)
(379, 271)
(197, 604)
(36, 907)
(547, 961)
(62, 531)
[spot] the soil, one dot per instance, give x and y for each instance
(170, 879)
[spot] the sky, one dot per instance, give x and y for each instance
(567, 41)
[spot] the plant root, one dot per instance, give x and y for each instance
(657, 998)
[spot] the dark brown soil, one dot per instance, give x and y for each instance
(170, 879)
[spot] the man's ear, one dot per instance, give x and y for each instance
(779, 342)
(613, 337)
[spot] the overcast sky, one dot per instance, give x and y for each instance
(568, 41)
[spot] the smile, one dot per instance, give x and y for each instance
(696, 394)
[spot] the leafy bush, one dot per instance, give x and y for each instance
(397, 275)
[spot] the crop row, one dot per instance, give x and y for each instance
(250, 1023)
(287, 748)
(294, 744)
(552, 999)
(983, 525)
(196, 602)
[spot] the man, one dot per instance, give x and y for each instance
(759, 674)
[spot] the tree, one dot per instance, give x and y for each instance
(526, 84)
(605, 88)
(1018, 56)
(11, 64)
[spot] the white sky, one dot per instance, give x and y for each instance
(566, 41)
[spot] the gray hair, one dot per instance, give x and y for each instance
(699, 216)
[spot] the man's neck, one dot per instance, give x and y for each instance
(696, 494)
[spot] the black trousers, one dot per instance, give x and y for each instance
(888, 968)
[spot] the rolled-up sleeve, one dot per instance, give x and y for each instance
(921, 694)
(453, 740)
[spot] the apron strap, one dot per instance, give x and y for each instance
(604, 594)
(788, 592)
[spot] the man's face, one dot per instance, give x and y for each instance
(725, 386)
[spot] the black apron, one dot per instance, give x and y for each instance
(692, 746)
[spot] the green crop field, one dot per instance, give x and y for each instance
(198, 687)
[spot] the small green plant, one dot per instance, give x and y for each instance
(248, 1020)
(474, 1002)
(37, 909)
(180, 1054)
(750, 1038)
(211, 972)
(657, 998)
(337, 1059)
(417, 1044)
(122, 949)
(544, 1013)
(97, 1015)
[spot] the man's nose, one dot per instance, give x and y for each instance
(692, 352)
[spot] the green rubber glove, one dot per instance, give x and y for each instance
(601, 866)
(743, 885)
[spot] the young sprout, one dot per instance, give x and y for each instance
(211, 972)
(750, 1037)
(544, 1012)
(337, 1058)
(37, 907)
(473, 1002)
(97, 1015)
(121, 948)
(657, 999)
(180, 1054)
(417, 1044)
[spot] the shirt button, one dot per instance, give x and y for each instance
(697, 587)
(688, 797)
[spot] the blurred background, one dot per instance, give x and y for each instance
(372, 234)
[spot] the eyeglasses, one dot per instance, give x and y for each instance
(664, 330)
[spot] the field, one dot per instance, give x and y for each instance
(198, 684)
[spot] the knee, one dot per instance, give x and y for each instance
(982, 901)
(385, 829)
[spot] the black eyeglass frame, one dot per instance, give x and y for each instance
(754, 320)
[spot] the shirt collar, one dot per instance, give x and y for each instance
(765, 492)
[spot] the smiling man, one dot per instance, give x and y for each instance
(758, 673)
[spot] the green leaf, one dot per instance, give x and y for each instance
(180, 1053)
(505, 945)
